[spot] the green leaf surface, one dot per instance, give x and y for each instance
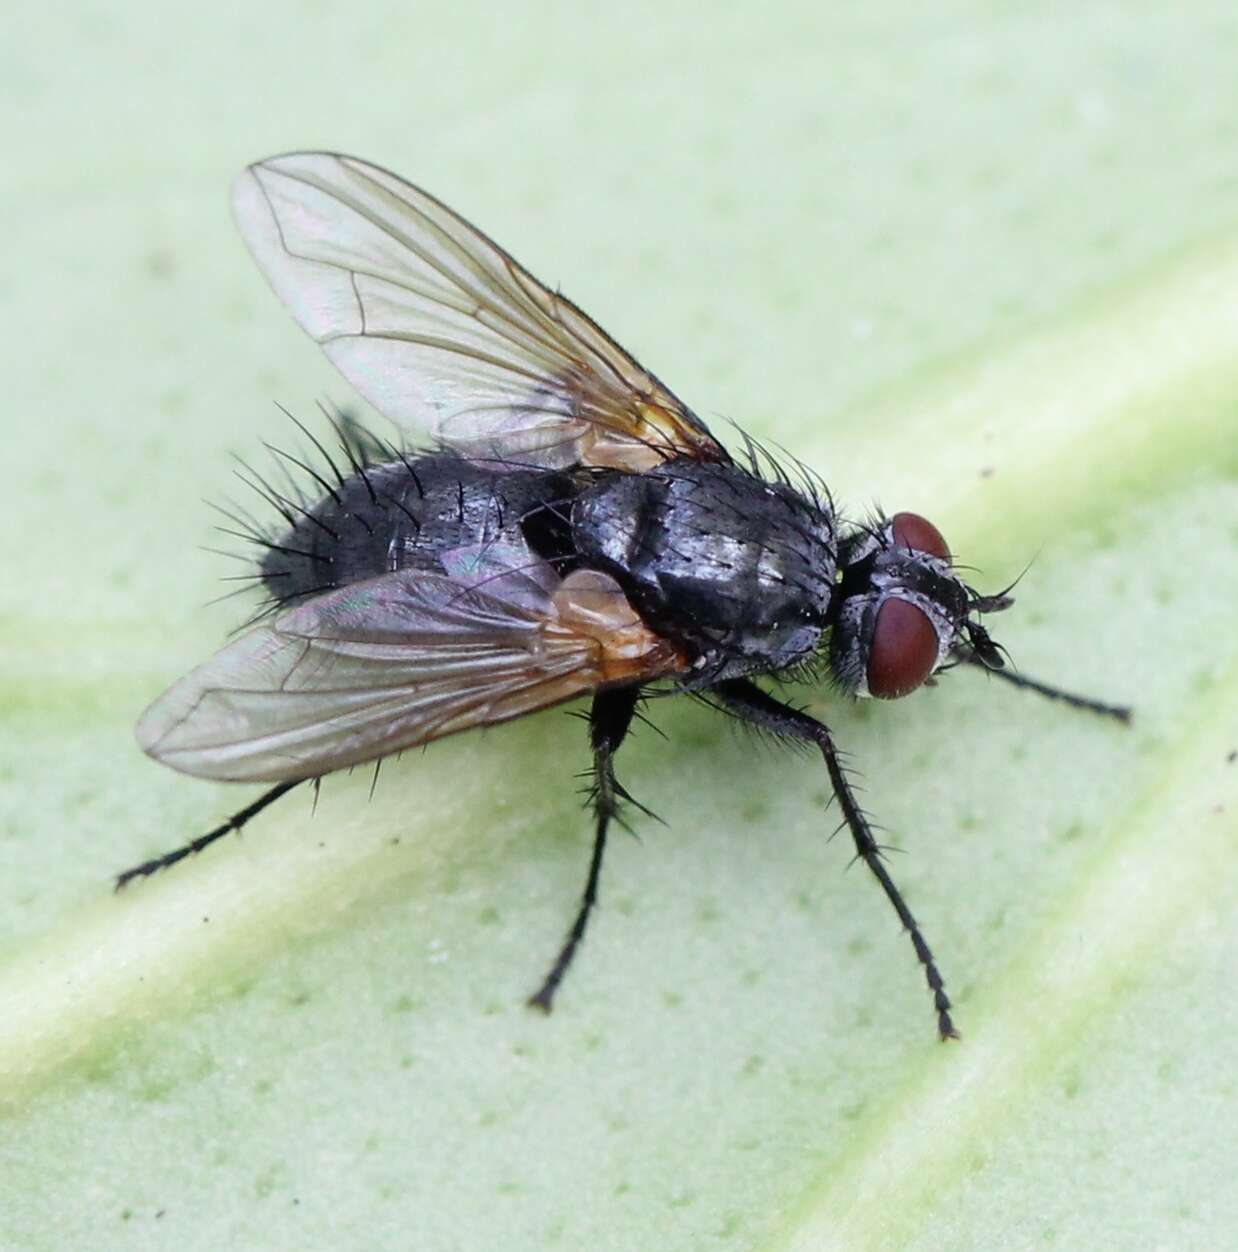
(978, 262)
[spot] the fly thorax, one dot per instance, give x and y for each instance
(715, 558)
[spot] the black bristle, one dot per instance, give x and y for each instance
(323, 511)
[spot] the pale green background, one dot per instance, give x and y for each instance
(971, 258)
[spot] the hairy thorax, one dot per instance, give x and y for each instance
(737, 568)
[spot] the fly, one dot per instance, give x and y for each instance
(574, 529)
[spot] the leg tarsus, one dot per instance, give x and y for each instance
(609, 721)
(1119, 712)
(194, 846)
(543, 998)
(749, 702)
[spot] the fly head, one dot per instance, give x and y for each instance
(901, 610)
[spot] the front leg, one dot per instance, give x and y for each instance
(747, 701)
(1120, 712)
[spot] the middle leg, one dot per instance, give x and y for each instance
(609, 721)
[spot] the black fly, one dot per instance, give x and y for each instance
(575, 529)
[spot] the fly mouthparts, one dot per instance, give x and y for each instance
(983, 649)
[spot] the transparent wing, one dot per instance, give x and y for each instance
(391, 663)
(442, 331)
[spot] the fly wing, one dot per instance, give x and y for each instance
(442, 331)
(380, 666)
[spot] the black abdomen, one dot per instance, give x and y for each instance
(438, 512)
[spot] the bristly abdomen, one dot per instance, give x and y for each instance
(386, 510)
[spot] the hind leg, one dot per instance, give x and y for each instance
(194, 846)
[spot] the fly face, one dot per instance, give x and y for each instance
(902, 612)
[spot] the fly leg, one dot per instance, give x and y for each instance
(1120, 712)
(609, 720)
(235, 822)
(748, 702)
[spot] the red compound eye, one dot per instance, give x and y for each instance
(904, 647)
(915, 532)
